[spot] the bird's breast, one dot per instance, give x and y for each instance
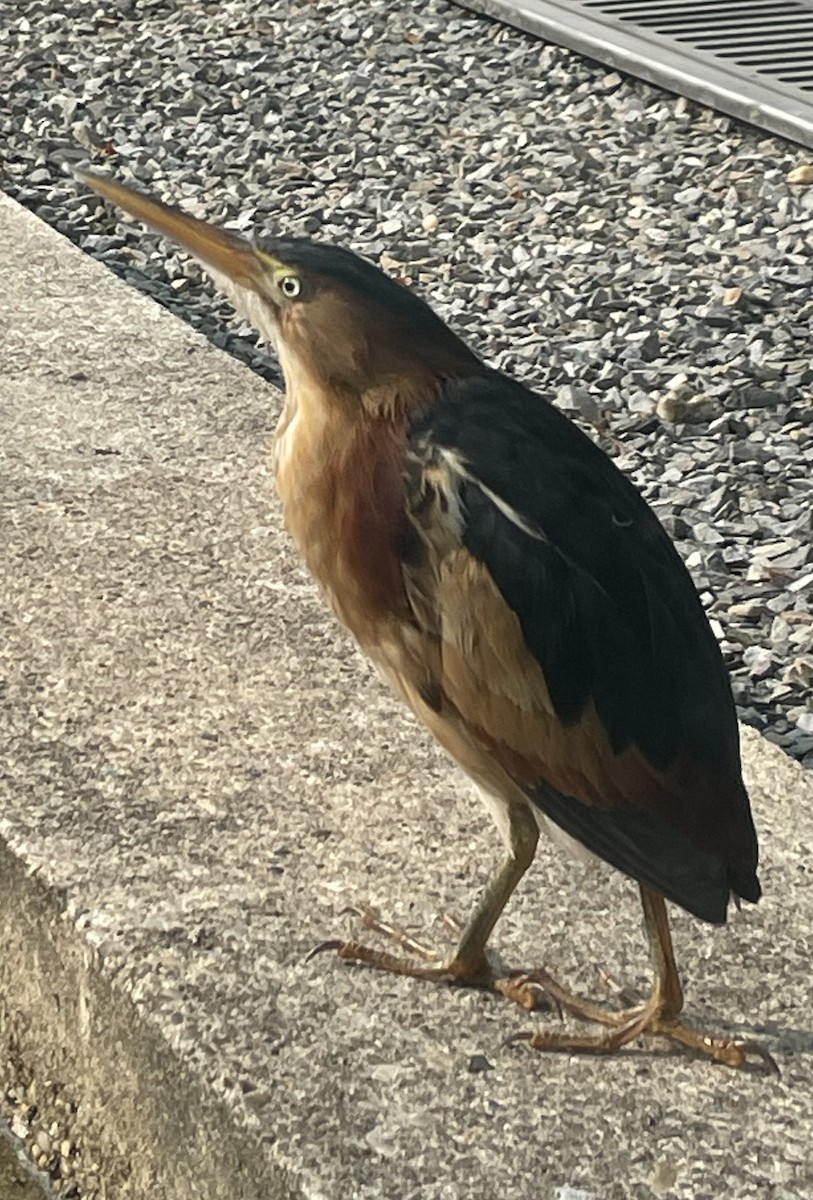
(339, 477)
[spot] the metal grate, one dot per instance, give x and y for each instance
(750, 58)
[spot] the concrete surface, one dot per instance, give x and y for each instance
(201, 773)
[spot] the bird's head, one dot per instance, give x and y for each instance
(334, 319)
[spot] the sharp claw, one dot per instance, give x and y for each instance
(552, 999)
(770, 1063)
(356, 952)
(746, 1048)
(323, 947)
(767, 1058)
(516, 1038)
(353, 910)
(524, 979)
(608, 980)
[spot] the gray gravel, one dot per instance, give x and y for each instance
(17, 1180)
(642, 261)
(44, 1141)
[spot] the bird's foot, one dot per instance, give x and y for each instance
(418, 960)
(424, 962)
(645, 1019)
(539, 989)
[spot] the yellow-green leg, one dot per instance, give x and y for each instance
(469, 963)
(656, 1017)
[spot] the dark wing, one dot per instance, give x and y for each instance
(574, 645)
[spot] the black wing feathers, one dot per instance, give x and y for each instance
(533, 578)
(643, 846)
(605, 602)
(609, 611)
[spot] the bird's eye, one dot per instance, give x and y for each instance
(290, 286)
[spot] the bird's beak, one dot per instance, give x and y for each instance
(227, 254)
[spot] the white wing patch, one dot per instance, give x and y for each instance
(456, 465)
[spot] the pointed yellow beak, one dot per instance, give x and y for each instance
(227, 253)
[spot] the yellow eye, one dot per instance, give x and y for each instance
(290, 286)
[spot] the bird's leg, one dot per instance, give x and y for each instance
(657, 1017)
(523, 835)
(469, 964)
(668, 991)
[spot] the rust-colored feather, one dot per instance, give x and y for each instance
(340, 478)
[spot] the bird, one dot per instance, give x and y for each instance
(520, 596)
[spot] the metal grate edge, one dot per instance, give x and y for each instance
(713, 77)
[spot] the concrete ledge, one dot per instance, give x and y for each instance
(143, 1123)
(200, 773)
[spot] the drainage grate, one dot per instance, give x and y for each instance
(750, 58)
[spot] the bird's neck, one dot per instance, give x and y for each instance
(339, 474)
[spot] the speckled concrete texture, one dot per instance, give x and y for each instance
(201, 773)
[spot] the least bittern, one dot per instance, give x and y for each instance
(517, 592)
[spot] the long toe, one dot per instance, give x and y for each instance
(419, 960)
(585, 1043)
(645, 1021)
(732, 1052)
(538, 989)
